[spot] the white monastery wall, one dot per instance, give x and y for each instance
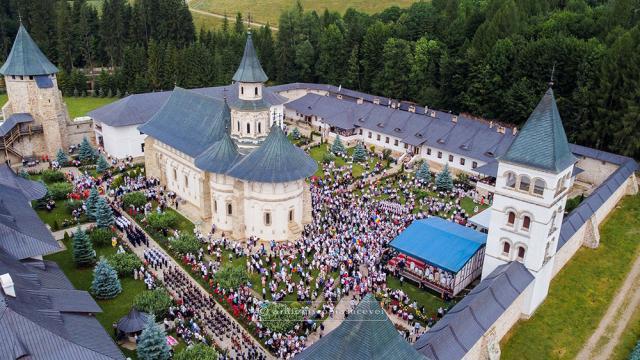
(122, 141)
(595, 171)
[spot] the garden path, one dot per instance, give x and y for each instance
(59, 235)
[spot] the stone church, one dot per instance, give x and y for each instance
(229, 161)
(36, 121)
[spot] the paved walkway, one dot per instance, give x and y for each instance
(223, 343)
(607, 335)
(59, 235)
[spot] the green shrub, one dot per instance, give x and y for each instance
(197, 351)
(52, 176)
(117, 182)
(328, 157)
(186, 243)
(230, 277)
(165, 220)
(124, 263)
(279, 317)
(137, 199)
(101, 236)
(154, 302)
(73, 204)
(60, 190)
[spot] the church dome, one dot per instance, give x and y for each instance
(220, 156)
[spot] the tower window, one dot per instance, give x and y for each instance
(538, 186)
(525, 183)
(511, 219)
(521, 252)
(255, 90)
(248, 128)
(259, 128)
(506, 248)
(267, 218)
(511, 180)
(238, 126)
(526, 223)
(241, 90)
(229, 209)
(30, 77)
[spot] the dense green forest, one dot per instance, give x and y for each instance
(491, 58)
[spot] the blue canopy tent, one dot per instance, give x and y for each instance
(452, 250)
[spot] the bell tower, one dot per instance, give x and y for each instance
(531, 192)
(32, 88)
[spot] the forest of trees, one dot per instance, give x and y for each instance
(491, 58)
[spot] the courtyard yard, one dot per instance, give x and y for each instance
(60, 217)
(318, 153)
(77, 106)
(580, 294)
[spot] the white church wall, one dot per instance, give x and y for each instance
(221, 197)
(122, 141)
(181, 175)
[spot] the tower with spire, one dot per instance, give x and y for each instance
(32, 90)
(532, 184)
(250, 112)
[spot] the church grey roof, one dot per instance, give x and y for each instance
(188, 122)
(276, 160)
(367, 334)
(462, 326)
(250, 70)
(23, 234)
(32, 190)
(137, 109)
(26, 58)
(220, 156)
(542, 142)
(48, 319)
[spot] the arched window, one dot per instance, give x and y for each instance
(291, 215)
(267, 218)
(521, 252)
(526, 222)
(186, 181)
(238, 126)
(215, 206)
(525, 183)
(259, 128)
(229, 209)
(175, 174)
(506, 248)
(242, 90)
(255, 90)
(538, 186)
(511, 180)
(511, 218)
(248, 128)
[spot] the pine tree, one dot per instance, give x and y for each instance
(423, 174)
(86, 151)
(152, 343)
(338, 147)
(61, 158)
(91, 202)
(352, 80)
(295, 134)
(102, 165)
(23, 173)
(103, 214)
(359, 153)
(444, 181)
(106, 284)
(83, 253)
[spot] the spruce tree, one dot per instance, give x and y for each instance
(91, 202)
(295, 134)
(106, 284)
(338, 147)
(444, 181)
(23, 173)
(86, 151)
(102, 165)
(83, 253)
(61, 158)
(359, 153)
(103, 214)
(152, 343)
(424, 174)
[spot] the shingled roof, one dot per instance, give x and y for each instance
(367, 334)
(458, 331)
(32, 190)
(26, 58)
(542, 142)
(250, 70)
(276, 160)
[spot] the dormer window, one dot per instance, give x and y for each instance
(380, 125)
(419, 135)
(490, 154)
(361, 119)
(397, 130)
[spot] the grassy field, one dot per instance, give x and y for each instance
(581, 292)
(430, 301)
(629, 338)
(59, 214)
(77, 106)
(209, 22)
(270, 10)
(112, 310)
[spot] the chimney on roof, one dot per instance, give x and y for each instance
(394, 105)
(376, 101)
(339, 96)
(426, 109)
(412, 108)
(515, 130)
(360, 101)
(491, 124)
(7, 285)
(501, 129)
(433, 114)
(454, 118)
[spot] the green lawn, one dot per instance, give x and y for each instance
(629, 338)
(424, 297)
(112, 310)
(318, 152)
(269, 11)
(201, 21)
(59, 214)
(77, 106)
(581, 292)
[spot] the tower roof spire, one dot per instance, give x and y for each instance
(542, 142)
(26, 58)
(250, 70)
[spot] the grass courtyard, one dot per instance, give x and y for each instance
(77, 106)
(318, 153)
(581, 292)
(60, 217)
